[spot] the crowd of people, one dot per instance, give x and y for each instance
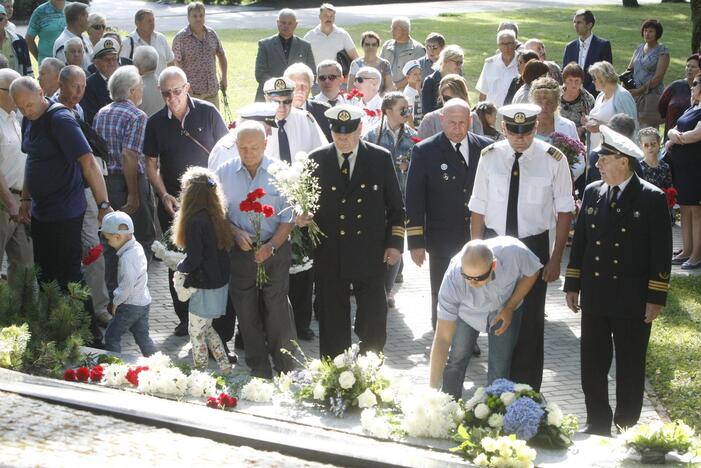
(120, 138)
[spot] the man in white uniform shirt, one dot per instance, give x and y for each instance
(499, 70)
(145, 34)
(15, 240)
(523, 189)
(76, 24)
(297, 130)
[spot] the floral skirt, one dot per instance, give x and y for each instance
(209, 303)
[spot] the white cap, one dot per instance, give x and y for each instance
(112, 221)
(106, 45)
(278, 87)
(520, 118)
(260, 111)
(409, 66)
(613, 142)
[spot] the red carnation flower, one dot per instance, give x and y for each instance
(96, 374)
(232, 125)
(246, 206)
(372, 113)
(82, 374)
(133, 374)
(69, 375)
(268, 211)
(227, 401)
(671, 194)
(93, 254)
(260, 193)
(416, 139)
(213, 402)
(257, 207)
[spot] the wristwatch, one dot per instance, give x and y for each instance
(272, 250)
(103, 205)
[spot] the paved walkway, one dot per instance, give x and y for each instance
(410, 336)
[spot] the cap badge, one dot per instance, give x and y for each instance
(444, 167)
(519, 117)
(636, 214)
(344, 116)
(280, 84)
(590, 210)
(108, 44)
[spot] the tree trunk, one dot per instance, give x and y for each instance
(695, 25)
(631, 3)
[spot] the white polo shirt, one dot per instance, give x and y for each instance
(495, 79)
(59, 48)
(326, 47)
(158, 42)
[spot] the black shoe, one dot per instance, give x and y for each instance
(238, 341)
(596, 430)
(181, 330)
(306, 334)
(476, 351)
(399, 279)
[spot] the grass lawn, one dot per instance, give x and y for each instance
(674, 356)
(475, 32)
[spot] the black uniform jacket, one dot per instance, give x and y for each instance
(621, 256)
(359, 221)
(96, 96)
(317, 109)
(439, 187)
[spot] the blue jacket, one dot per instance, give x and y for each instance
(599, 50)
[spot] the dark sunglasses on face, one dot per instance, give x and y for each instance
(360, 79)
(286, 102)
(477, 278)
(403, 111)
(374, 44)
(174, 92)
(695, 83)
(98, 26)
(327, 77)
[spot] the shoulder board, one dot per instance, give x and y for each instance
(555, 153)
(310, 117)
(487, 149)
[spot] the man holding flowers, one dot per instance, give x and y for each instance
(265, 330)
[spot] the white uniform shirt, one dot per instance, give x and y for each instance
(158, 42)
(326, 47)
(225, 150)
(545, 188)
(60, 44)
(321, 97)
(132, 276)
(12, 159)
(303, 134)
(495, 79)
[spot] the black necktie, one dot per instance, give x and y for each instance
(345, 168)
(332, 102)
(614, 195)
(512, 206)
(283, 142)
(457, 150)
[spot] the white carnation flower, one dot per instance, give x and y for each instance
(367, 399)
(481, 460)
(522, 388)
(481, 411)
(115, 374)
(554, 415)
(301, 156)
(314, 365)
(156, 361)
(430, 413)
(489, 444)
(346, 379)
(258, 390)
(387, 395)
(201, 384)
(163, 381)
(496, 420)
(319, 392)
(507, 398)
(376, 426)
(340, 361)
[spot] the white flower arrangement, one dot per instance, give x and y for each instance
(430, 413)
(258, 391)
(505, 452)
(156, 361)
(367, 399)
(115, 375)
(163, 381)
(184, 294)
(346, 380)
(554, 415)
(340, 361)
(376, 426)
(170, 257)
(201, 384)
(481, 411)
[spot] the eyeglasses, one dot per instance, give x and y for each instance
(98, 26)
(360, 79)
(459, 64)
(403, 111)
(650, 145)
(174, 92)
(432, 47)
(477, 278)
(446, 98)
(5, 89)
(286, 102)
(695, 84)
(327, 77)
(374, 44)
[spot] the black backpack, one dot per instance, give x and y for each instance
(98, 145)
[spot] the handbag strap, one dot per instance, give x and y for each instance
(187, 134)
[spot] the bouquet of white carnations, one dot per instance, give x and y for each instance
(512, 408)
(298, 184)
(166, 251)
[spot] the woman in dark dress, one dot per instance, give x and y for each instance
(675, 97)
(450, 61)
(684, 146)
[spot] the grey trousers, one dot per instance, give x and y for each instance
(267, 329)
(94, 273)
(16, 241)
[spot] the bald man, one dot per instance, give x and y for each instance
(482, 291)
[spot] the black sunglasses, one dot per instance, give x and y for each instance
(404, 111)
(98, 26)
(477, 278)
(327, 77)
(360, 79)
(695, 84)
(286, 102)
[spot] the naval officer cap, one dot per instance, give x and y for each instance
(260, 111)
(344, 118)
(615, 143)
(520, 118)
(278, 87)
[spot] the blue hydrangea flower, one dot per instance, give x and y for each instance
(523, 418)
(500, 386)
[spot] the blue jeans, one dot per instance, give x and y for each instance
(499, 360)
(131, 318)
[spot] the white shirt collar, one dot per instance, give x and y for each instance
(622, 186)
(587, 41)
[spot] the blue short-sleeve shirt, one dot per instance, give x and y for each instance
(47, 23)
(53, 143)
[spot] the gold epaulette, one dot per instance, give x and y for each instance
(487, 149)
(555, 153)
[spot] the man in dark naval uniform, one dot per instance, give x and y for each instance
(620, 263)
(439, 186)
(362, 215)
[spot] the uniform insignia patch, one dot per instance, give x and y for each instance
(280, 84)
(344, 116)
(519, 117)
(590, 210)
(444, 167)
(445, 176)
(664, 276)
(555, 153)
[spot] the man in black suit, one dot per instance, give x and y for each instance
(303, 76)
(620, 263)
(362, 216)
(96, 93)
(587, 48)
(439, 186)
(276, 52)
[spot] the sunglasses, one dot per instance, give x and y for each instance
(98, 26)
(286, 102)
(477, 278)
(695, 84)
(328, 77)
(172, 92)
(446, 98)
(432, 47)
(360, 79)
(403, 111)
(375, 44)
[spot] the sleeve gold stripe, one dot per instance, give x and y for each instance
(658, 290)
(415, 228)
(659, 283)
(572, 275)
(573, 269)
